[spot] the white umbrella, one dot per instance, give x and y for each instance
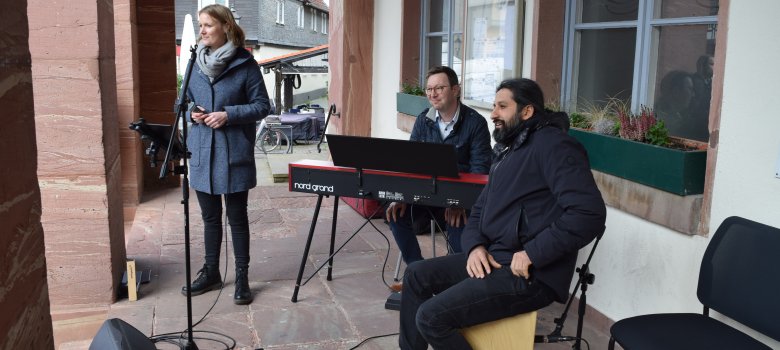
(187, 40)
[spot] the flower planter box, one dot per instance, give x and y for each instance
(411, 104)
(671, 170)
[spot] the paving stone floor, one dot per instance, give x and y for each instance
(335, 314)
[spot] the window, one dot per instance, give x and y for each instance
(493, 43)
(280, 11)
(442, 35)
(313, 19)
(300, 16)
(654, 53)
(489, 34)
(324, 23)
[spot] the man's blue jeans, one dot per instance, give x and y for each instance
(439, 298)
(406, 238)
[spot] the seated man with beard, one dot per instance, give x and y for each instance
(520, 244)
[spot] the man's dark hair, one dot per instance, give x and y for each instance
(451, 75)
(524, 92)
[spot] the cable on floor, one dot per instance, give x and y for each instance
(375, 337)
(180, 338)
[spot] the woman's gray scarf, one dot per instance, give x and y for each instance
(213, 62)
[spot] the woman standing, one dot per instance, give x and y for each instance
(229, 98)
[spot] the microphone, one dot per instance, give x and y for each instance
(552, 338)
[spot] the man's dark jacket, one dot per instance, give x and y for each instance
(470, 136)
(541, 198)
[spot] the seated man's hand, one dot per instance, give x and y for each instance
(455, 216)
(521, 264)
(479, 263)
(392, 212)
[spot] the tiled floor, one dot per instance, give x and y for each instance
(335, 314)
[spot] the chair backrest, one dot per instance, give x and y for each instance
(739, 274)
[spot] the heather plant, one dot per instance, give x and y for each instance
(635, 127)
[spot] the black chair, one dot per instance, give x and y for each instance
(738, 278)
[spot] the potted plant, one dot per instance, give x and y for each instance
(637, 147)
(411, 100)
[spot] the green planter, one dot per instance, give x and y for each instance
(411, 104)
(671, 170)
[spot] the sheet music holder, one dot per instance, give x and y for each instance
(434, 159)
(158, 137)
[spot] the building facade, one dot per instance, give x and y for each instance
(585, 51)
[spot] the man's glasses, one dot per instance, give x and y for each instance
(438, 89)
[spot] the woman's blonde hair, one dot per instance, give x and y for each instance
(222, 14)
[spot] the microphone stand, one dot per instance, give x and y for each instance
(331, 111)
(180, 109)
(585, 278)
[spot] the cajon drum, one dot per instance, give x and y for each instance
(511, 333)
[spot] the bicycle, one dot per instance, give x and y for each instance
(271, 136)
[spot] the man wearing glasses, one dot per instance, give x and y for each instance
(450, 122)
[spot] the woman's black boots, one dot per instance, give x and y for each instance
(208, 279)
(243, 294)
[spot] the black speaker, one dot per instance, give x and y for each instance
(116, 334)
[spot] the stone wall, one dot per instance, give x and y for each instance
(156, 72)
(25, 322)
(79, 170)
(128, 103)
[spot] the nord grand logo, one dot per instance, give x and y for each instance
(313, 187)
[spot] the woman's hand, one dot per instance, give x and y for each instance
(197, 116)
(215, 120)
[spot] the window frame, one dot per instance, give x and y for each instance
(300, 14)
(517, 28)
(324, 17)
(448, 33)
(634, 198)
(280, 12)
(313, 13)
(644, 52)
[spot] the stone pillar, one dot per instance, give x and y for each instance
(25, 322)
(547, 47)
(410, 43)
(128, 103)
(157, 73)
(350, 57)
(74, 83)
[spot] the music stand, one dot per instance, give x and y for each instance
(377, 154)
(157, 135)
(435, 159)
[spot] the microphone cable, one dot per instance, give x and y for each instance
(180, 338)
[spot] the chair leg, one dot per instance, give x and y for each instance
(611, 345)
(397, 268)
